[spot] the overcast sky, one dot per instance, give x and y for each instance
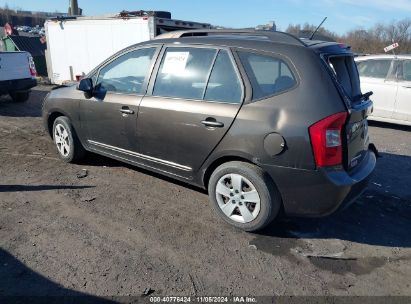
(343, 15)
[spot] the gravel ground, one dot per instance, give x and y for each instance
(120, 230)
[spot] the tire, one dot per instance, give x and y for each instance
(255, 186)
(68, 145)
(20, 96)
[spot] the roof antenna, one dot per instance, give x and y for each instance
(316, 30)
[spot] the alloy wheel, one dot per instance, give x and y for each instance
(61, 138)
(238, 198)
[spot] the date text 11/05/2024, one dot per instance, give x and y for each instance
(203, 300)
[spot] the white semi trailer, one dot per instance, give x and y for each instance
(76, 45)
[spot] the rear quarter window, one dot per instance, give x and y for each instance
(268, 75)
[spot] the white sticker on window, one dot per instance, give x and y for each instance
(175, 62)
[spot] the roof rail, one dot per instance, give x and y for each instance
(273, 36)
(62, 18)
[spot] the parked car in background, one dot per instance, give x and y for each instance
(17, 75)
(35, 31)
(389, 77)
(255, 117)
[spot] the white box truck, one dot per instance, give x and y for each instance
(76, 45)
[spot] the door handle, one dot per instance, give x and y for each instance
(212, 123)
(127, 111)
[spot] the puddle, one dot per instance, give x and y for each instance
(284, 247)
(358, 266)
(315, 240)
(282, 243)
(276, 246)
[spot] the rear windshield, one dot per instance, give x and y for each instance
(346, 73)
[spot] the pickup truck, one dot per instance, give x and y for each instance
(17, 75)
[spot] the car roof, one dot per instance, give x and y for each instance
(225, 41)
(241, 36)
(382, 56)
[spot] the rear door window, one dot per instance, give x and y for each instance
(374, 68)
(268, 75)
(184, 73)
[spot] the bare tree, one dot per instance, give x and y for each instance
(305, 31)
(376, 38)
(367, 41)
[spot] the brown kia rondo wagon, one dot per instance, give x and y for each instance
(263, 120)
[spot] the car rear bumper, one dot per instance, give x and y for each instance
(317, 193)
(17, 85)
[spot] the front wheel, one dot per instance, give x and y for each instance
(244, 196)
(67, 143)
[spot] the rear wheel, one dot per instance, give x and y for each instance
(20, 96)
(244, 196)
(67, 143)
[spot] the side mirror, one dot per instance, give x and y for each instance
(86, 85)
(99, 92)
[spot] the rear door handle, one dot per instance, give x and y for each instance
(212, 123)
(127, 111)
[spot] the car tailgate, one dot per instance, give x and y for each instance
(14, 65)
(357, 134)
(359, 106)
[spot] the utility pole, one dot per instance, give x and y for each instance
(74, 11)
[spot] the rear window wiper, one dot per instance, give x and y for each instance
(365, 96)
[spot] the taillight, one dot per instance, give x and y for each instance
(326, 140)
(32, 67)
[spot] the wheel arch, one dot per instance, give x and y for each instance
(214, 164)
(275, 197)
(77, 150)
(50, 120)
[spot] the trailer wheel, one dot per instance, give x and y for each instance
(20, 96)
